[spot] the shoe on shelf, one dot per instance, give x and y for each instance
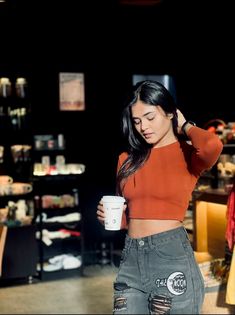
(71, 262)
(57, 258)
(53, 267)
(64, 261)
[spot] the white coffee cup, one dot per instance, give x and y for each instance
(113, 210)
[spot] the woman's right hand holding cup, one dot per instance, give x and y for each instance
(100, 212)
(113, 204)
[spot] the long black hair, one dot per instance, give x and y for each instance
(151, 93)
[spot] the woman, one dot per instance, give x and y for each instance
(158, 273)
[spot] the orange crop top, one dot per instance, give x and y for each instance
(162, 187)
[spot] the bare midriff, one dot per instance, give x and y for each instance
(141, 227)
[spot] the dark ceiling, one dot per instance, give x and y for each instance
(195, 30)
(191, 38)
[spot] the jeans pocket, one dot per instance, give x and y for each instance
(172, 249)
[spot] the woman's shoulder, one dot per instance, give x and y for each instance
(121, 159)
(122, 156)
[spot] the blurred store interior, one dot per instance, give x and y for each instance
(113, 43)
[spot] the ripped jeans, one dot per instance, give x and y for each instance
(158, 274)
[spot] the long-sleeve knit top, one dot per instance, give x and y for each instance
(162, 187)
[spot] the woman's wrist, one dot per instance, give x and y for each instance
(186, 126)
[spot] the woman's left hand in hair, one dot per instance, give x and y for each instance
(181, 121)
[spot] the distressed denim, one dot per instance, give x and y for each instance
(158, 274)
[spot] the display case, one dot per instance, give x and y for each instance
(16, 188)
(58, 213)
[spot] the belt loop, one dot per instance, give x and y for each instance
(150, 241)
(185, 230)
(186, 233)
(129, 241)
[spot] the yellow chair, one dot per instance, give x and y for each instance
(209, 230)
(3, 234)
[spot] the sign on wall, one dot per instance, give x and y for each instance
(71, 91)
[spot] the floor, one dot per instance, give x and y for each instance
(91, 294)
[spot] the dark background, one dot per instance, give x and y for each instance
(109, 42)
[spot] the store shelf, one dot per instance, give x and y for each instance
(20, 252)
(53, 194)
